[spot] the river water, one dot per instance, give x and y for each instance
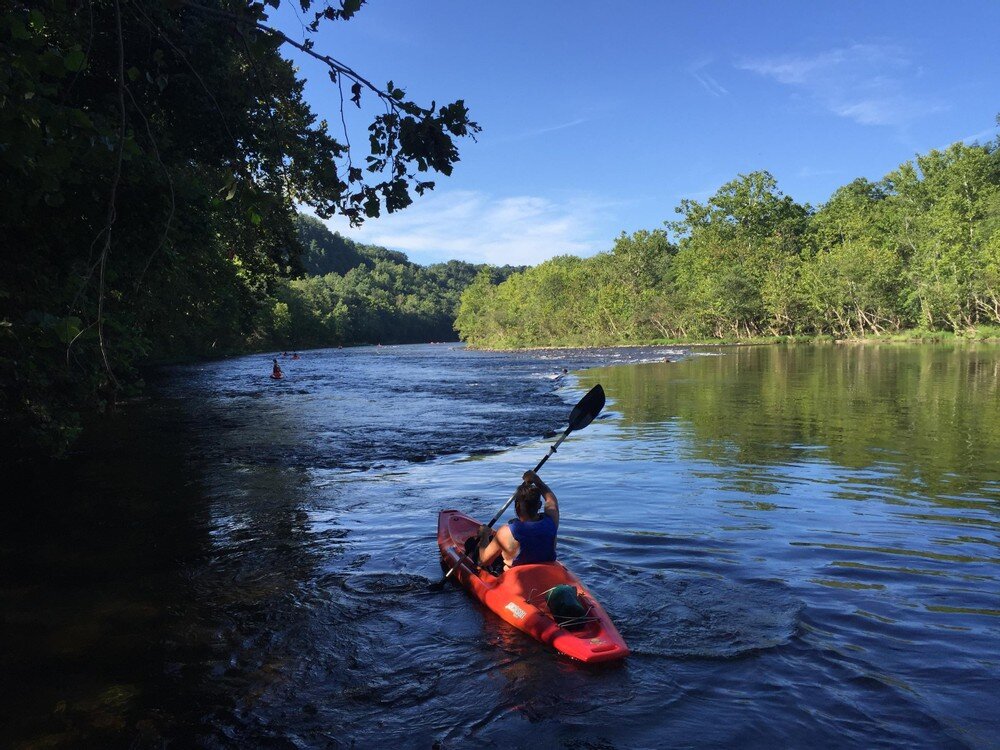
(799, 545)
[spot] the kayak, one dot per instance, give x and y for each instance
(518, 596)
(277, 377)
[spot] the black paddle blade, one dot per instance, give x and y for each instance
(588, 408)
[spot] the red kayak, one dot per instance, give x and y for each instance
(518, 595)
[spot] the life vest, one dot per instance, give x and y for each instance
(537, 540)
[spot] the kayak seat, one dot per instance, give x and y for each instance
(472, 548)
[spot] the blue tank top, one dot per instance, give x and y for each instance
(537, 540)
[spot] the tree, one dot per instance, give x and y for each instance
(855, 281)
(947, 203)
(728, 247)
(153, 155)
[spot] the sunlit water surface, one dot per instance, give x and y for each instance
(799, 545)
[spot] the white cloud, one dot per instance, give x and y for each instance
(539, 131)
(702, 76)
(867, 83)
(980, 137)
(480, 228)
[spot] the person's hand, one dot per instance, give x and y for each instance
(530, 476)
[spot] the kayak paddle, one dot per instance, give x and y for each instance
(582, 415)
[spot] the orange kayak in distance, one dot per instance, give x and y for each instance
(518, 596)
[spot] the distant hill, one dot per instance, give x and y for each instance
(353, 293)
(331, 252)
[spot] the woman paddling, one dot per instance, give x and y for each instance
(531, 538)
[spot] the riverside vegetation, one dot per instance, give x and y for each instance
(918, 250)
(153, 157)
(352, 293)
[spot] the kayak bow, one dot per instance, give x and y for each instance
(518, 596)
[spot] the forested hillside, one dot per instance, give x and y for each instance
(918, 249)
(354, 293)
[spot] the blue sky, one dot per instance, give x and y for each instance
(600, 117)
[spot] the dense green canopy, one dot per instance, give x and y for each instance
(152, 156)
(918, 249)
(364, 294)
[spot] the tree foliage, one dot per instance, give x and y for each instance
(918, 249)
(152, 156)
(374, 295)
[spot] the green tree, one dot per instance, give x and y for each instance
(947, 206)
(153, 155)
(855, 280)
(728, 246)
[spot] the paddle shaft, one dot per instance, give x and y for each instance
(540, 465)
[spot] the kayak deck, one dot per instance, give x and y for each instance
(518, 596)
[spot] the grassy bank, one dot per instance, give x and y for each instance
(913, 336)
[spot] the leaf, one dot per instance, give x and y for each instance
(74, 60)
(350, 7)
(398, 94)
(67, 329)
(82, 119)
(36, 19)
(255, 217)
(356, 94)
(133, 73)
(18, 30)
(333, 75)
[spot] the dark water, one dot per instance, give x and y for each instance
(799, 544)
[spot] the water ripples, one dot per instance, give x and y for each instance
(795, 545)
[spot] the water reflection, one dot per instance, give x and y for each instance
(866, 480)
(922, 418)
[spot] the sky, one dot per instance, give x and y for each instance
(599, 117)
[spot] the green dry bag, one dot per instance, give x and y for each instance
(564, 604)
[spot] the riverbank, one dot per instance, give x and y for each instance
(909, 336)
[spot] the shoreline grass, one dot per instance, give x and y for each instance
(982, 334)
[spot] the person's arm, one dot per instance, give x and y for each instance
(551, 502)
(490, 548)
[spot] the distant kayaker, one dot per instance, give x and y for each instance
(531, 537)
(276, 370)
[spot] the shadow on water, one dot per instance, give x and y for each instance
(90, 573)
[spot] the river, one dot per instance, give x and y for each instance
(799, 545)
